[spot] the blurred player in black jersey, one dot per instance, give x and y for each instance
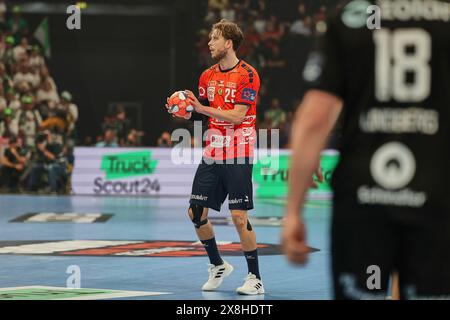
(391, 206)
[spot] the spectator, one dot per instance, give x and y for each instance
(3, 102)
(9, 126)
(56, 125)
(13, 101)
(252, 39)
(109, 139)
(13, 164)
(260, 24)
(302, 26)
(276, 116)
(48, 96)
(217, 4)
(17, 25)
(228, 12)
(50, 160)
(36, 60)
(44, 74)
(29, 121)
(8, 56)
(134, 138)
(122, 124)
(272, 34)
(165, 141)
(21, 50)
(276, 72)
(88, 142)
(5, 79)
(2, 14)
(25, 75)
(72, 115)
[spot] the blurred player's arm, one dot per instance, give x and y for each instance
(235, 116)
(314, 120)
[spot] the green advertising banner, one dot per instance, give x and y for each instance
(271, 174)
(128, 164)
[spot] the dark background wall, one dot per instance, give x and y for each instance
(141, 59)
(123, 58)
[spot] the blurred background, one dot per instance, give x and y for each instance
(105, 84)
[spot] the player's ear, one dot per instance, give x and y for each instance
(229, 44)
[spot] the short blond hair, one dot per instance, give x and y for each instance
(230, 31)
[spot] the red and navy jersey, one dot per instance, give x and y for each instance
(224, 89)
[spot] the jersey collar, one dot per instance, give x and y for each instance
(226, 70)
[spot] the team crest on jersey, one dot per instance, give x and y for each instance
(211, 93)
(249, 95)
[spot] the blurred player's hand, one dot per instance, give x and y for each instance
(197, 105)
(293, 239)
(319, 176)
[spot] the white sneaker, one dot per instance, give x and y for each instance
(252, 285)
(216, 275)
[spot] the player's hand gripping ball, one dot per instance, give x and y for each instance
(179, 104)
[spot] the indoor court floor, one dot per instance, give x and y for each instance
(145, 248)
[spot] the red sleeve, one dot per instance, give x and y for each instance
(202, 86)
(247, 89)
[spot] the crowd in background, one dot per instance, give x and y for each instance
(278, 35)
(117, 130)
(37, 122)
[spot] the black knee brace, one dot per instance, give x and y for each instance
(197, 212)
(249, 226)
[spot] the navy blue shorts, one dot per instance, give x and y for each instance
(214, 181)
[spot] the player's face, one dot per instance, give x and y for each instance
(217, 45)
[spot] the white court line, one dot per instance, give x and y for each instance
(112, 295)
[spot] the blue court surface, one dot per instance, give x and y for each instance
(145, 248)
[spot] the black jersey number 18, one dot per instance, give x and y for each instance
(402, 65)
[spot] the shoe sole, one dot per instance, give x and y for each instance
(250, 294)
(225, 274)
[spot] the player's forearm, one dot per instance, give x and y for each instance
(307, 145)
(313, 123)
(232, 116)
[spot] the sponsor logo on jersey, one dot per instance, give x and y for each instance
(235, 201)
(355, 14)
(399, 120)
(416, 10)
(139, 248)
(201, 91)
(393, 167)
(218, 141)
(199, 197)
(248, 95)
(249, 120)
(248, 131)
(211, 93)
